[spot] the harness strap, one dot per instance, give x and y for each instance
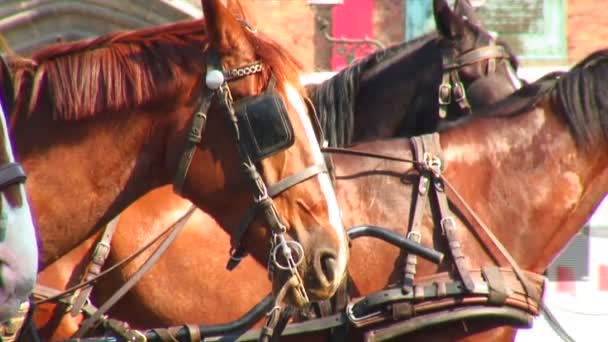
(171, 334)
(513, 316)
(11, 174)
(487, 237)
(152, 259)
(414, 232)
(442, 291)
(488, 52)
(238, 253)
(430, 147)
(297, 178)
(98, 259)
(193, 138)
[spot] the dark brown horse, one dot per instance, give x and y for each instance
(532, 168)
(395, 92)
(101, 122)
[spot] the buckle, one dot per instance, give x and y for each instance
(445, 94)
(415, 236)
(459, 92)
(447, 223)
(432, 163)
(358, 320)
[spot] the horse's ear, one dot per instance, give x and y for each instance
(447, 22)
(464, 9)
(223, 28)
(241, 11)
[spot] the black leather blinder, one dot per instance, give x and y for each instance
(264, 125)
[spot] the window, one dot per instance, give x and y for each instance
(534, 28)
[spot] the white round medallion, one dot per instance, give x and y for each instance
(214, 79)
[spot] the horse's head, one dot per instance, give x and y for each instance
(407, 89)
(18, 248)
(252, 159)
(472, 55)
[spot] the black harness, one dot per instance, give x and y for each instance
(261, 128)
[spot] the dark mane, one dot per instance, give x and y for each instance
(582, 94)
(125, 70)
(518, 102)
(335, 98)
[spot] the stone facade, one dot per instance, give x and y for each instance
(28, 24)
(294, 23)
(587, 28)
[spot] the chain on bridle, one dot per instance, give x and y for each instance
(284, 254)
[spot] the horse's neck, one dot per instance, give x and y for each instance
(81, 174)
(399, 98)
(525, 179)
(375, 192)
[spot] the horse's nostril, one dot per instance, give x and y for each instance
(328, 263)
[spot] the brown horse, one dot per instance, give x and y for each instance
(149, 212)
(99, 123)
(532, 168)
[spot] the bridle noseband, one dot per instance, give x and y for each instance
(284, 254)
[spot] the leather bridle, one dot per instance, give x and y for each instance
(284, 254)
(452, 89)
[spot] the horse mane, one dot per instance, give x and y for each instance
(582, 95)
(125, 70)
(335, 98)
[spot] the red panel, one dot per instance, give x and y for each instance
(603, 278)
(565, 280)
(353, 19)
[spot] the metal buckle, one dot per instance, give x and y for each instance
(445, 94)
(415, 236)
(432, 162)
(98, 253)
(354, 319)
(447, 223)
(459, 92)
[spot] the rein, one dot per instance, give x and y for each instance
(68, 292)
(348, 151)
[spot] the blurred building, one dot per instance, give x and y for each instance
(543, 32)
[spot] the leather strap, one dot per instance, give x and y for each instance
(11, 174)
(430, 148)
(91, 321)
(486, 236)
(514, 316)
(98, 259)
(238, 253)
(193, 138)
(414, 234)
(297, 178)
